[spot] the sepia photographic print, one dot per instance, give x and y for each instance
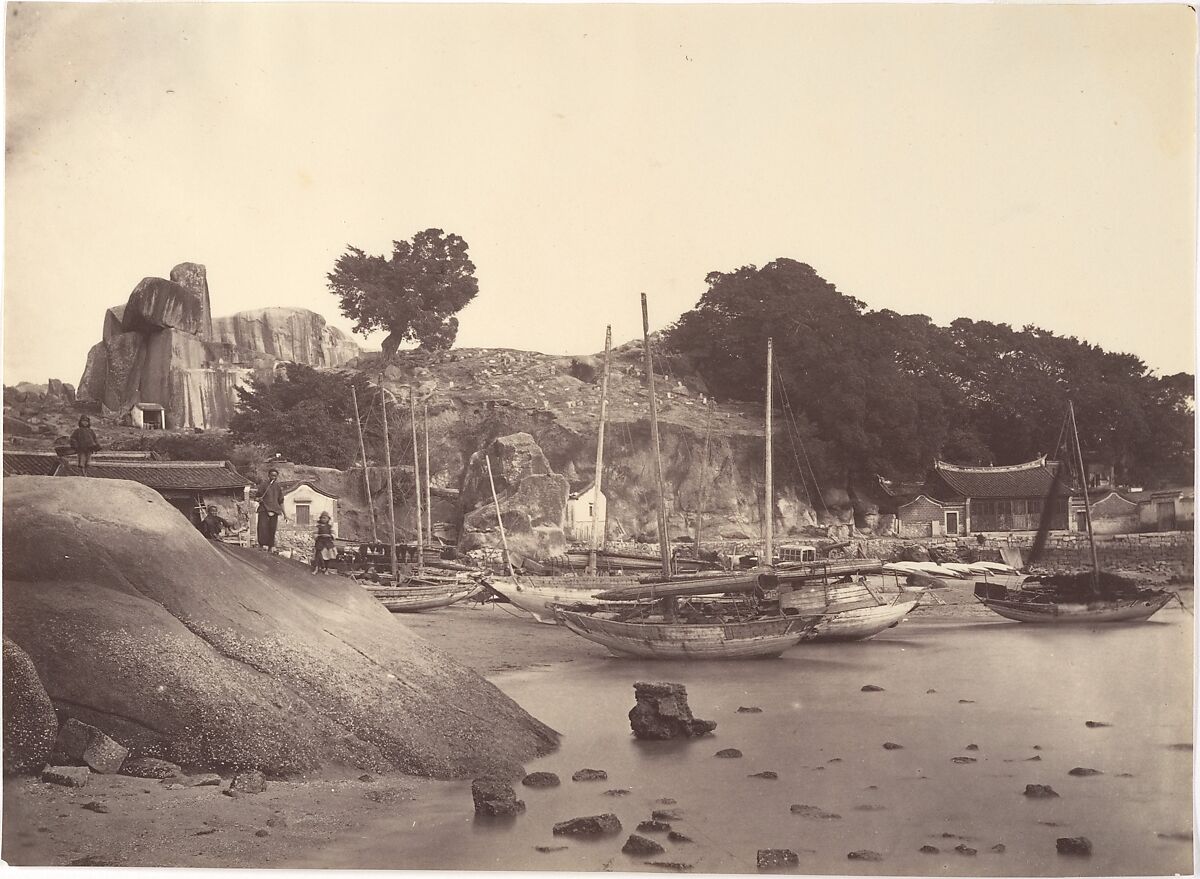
(648, 438)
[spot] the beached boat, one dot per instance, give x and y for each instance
(851, 609)
(1091, 597)
(538, 595)
(419, 596)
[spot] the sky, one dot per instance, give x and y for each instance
(1018, 164)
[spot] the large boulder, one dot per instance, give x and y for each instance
(295, 334)
(159, 304)
(95, 374)
(126, 354)
(218, 657)
(30, 725)
(114, 322)
(514, 458)
(194, 277)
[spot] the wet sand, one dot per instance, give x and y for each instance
(1137, 813)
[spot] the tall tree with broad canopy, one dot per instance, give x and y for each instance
(414, 294)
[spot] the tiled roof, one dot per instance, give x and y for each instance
(287, 486)
(1029, 480)
(30, 463)
(166, 475)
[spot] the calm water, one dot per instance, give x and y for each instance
(1025, 686)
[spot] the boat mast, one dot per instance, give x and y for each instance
(362, 447)
(703, 481)
(596, 537)
(387, 460)
(496, 501)
(663, 540)
(1087, 507)
(769, 487)
(428, 480)
(412, 408)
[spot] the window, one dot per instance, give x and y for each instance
(303, 514)
(591, 511)
(952, 522)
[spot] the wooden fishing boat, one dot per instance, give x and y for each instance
(538, 595)
(419, 597)
(685, 585)
(750, 639)
(852, 609)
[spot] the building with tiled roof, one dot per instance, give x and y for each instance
(188, 485)
(30, 463)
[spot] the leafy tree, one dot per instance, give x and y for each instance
(309, 418)
(414, 294)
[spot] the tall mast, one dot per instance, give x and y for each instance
(362, 447)
(769, 487)
(703, 480)
(499, 519)
(597, 536)
(387, 460)
(663, 540)
(428, 480)
(412, 408)
(1087, 507)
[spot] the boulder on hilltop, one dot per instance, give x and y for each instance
(219, 657)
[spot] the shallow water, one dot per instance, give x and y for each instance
(1002, 686)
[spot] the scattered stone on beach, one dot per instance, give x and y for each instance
(247, 782)
(948, 835)
(927, 692)
(777, 858)
(654, 827)
(864, 855)
(67, 776)
(262, 834)
(966, 701)
(277, 821)
(1096, 724)
(834, 760)
(207, 779)
(617, 792)
(205, 832)
(963, 849)
(1036, 758)
(1073, 845)
(495, 797)
(676, 866)
(1084, 772)
(929, 850)
(666, 801)
(972, 747)
(93, 861)
(79, 742)
(999, 848)
(963, 760)
(546, 849)
(1125, 775)
(1051, 824)
(676, 836)
(662, 712)
(869, 807)
(366, 778)
(766, 773)
(639, 845)
(1040, 791)
(590, 775)
(749, 709)
(806, 811)
(728, 753)
(30, 724)
(871, 688)
(95, 806)
(666, 815)
(892, 746)
(542, 779)
(232, 794)
(590, 825)
(149, 767)
(871, 787)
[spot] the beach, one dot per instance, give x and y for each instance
(977, 706)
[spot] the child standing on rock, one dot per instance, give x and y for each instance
(323, 548)
(85, 443)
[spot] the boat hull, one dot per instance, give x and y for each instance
(1124, 610)
(756, 639)
(415, 599)
(863, 622)
(537, 596)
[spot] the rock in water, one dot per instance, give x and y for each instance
(83, 743)
(590, 775)
(728, 753)
(639, 845)
(865, 855)
(591, 825)
(215, 656)
(495, 796)
(541, 779)
(30, 724)
(1084, 772)
(1040, 791)
(777, 858)
(1074, 845)
(662, 712)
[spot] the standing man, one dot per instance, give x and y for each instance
(270, 508)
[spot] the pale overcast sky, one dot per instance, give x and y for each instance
(1008, 163)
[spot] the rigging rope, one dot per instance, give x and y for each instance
(787, 403)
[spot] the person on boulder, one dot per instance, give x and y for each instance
(270, 508)
(85, 443)
(323, 551)
(212, 525)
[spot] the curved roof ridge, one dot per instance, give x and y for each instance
(1003, 468)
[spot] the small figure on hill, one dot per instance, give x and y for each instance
(84, 443)
(270, 508)
(212, 525)
(323, 550)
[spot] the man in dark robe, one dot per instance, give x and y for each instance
(270, 508)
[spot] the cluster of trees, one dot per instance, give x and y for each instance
(878, 392)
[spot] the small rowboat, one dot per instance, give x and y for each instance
(751, 639)
(1038, 607)
(421, 597)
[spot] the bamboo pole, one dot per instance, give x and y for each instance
(596, 492)
(664, 541)
(769, 487)
(499, 519)
(428, 480)
(703, 481)
(1087, 507)
(362, 447)
(387, 460)
(412, 408)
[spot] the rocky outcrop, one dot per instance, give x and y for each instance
(294, 334)
(662, 712)
(158, 304)
(30, 724)
(214, 657)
